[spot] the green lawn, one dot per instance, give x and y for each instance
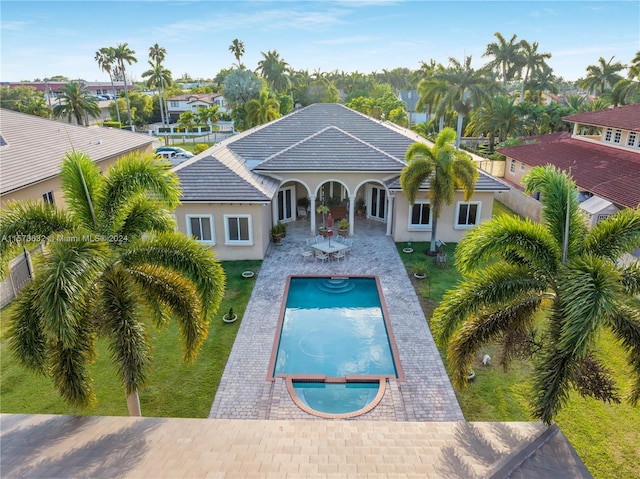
(606, 436)
(174, 389)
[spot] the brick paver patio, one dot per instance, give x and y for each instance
(244, 392)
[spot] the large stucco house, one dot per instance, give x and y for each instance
(32, 149)
(602, 153)
(234, 192)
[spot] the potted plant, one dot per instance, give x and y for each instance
(323, 210)
(420, 270)
(360, 207)
(230, 317)
(278, 232)
(343, 227)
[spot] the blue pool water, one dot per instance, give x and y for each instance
(335, 327)
(336, 398)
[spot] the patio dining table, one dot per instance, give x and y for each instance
(325, 247)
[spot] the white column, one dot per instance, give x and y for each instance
(313, 215)
(352, 208)
(389, 214)
(274, 211)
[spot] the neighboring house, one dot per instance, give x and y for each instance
(177, 105)
(410, 99)
(53, 89)
(32, 148)
(234, 192)
(602, 154)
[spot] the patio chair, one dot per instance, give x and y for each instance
(340, 239)
(322, 256)
(319, 239)
(338, 255)
(310, 241)
(348, 243)
(305, 253)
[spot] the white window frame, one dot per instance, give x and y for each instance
(48, 198)
(419, 227)
(608, 134)
(478, 213)
(241, 242)
(632, 139)
(523, 167)
(617, 137)
(512, 166)
(188, 219)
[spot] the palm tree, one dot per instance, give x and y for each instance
(106, 58)
(447, 170)
(506, 56)
(157, 77)
(602, 76)
(160, 76)
(262, 110)
(75, 101)
(498, 117)
(122, 54)
(517, 271)
(628, 89)
(237, 48)
(532, 61)
(543, 80)
(465, 88)
(274, 70)
(112, 264)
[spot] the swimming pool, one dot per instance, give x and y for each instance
(334, 344)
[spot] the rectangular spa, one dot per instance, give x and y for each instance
(336, 327)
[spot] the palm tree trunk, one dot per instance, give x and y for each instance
(115, 98)
(441, 124)
(434, 227)
(133, 404)
(459, 131)
(524, 82)
(160, 100)
(126, 95)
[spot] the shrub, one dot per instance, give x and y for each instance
(200, 147)
(112, 124)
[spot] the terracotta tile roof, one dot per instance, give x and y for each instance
(203, 97)
(608, 172)
(624, 117)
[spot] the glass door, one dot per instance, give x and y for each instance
(377, 203)
(285, 203)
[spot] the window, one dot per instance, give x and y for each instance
(174, 104)
(523, 168)
(617, 137)
(201, 228)
(512, 166)
(238, 229)
(467, 214)
(632, 139)
(599, 218)
(608, 134)
(48, 197)
(420, 216)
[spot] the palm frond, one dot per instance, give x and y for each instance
(466, 174)
(81, 180)
(557, 192)
(29, 222)
(484, 328)
(631, 278)
(413, 175)
(183, 254)
(143, 214)
(594, 379)
(614, 236)
(178, 294)
(418, 151)
(626, 328)
(504, 236)
(69, 271)
(481, 292)
(133, 175)
(26, 338)
(124, 328)
(589, 291)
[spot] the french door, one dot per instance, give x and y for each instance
(377, 203)
(286, 210)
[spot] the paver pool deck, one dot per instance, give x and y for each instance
(246, 393)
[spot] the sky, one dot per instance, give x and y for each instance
(41, 39)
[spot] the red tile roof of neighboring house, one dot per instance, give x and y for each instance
(608, 172)
(624, 117)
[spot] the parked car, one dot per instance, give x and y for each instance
(170, 149)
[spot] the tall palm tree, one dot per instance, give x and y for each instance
(497, 118)
(106, 58)
(543, 80)
(123, 54)
(517, 271)
(602, 77)
(237, 48)
(157, 55)
(75, 101)
(446, 169)
(466, 88)
(506, 56)
(275, 70)
(113, 264)
(628, 89)
(262, 110)
(532, 61)
(157, 77)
